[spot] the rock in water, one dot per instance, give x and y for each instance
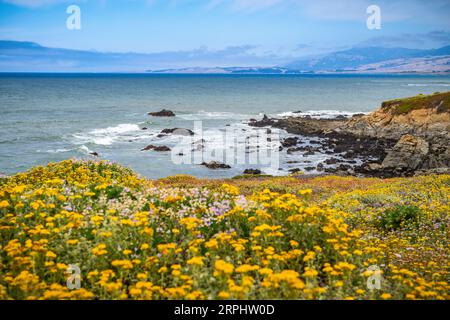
(266, 121)
(156, 148)
(289, 142)
(215, 165)
(178, 131)
(252, 171)
(162, 113)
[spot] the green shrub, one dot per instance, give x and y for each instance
(398, 217)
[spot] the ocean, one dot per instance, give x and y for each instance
(52, 117)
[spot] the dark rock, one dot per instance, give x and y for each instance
(252, 171)
(308, 126)
(144, 128)
(294, 170)
(409, 152)
(332, 161)
(215, 165)
(95, 154)
(309, 168)
(266, 121)
(178, 131)
(156, 148)
(162, 113)
(289, 142)
(292, 150)
(341, 169)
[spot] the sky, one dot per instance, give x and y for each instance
(270, 31)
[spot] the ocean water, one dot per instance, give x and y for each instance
(51, 117)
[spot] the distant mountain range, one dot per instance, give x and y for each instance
(355, 60)
(16, 56)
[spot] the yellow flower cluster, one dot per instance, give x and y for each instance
(131, 238)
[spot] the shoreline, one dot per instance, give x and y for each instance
(404, 137)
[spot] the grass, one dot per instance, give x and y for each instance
(438, 100)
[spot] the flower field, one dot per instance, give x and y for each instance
(247, 238)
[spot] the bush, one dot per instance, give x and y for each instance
(399, 216)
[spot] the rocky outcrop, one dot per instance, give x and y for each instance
(266, 121)
(308, 126)
(412, 155)
(409, 152)
(178, 131)
(252, 171)
(403, 137)
(421, 127)
(162, 113)
(156, 148)
(215, 165)
(425, 116)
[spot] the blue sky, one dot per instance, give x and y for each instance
(270, 30)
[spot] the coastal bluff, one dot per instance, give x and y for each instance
(421, 127)
(423, 115)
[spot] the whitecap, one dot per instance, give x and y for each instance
(107, 136)
(428, 84)
(204, 115)
(319, 114)
(84, 149)
(58, 150)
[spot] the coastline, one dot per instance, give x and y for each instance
(109, 118)
(404, 137)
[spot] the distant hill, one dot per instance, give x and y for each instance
(17, 56)
(354, 59)
(228, 70)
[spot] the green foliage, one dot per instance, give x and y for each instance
(398, 217)
(438, 100)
